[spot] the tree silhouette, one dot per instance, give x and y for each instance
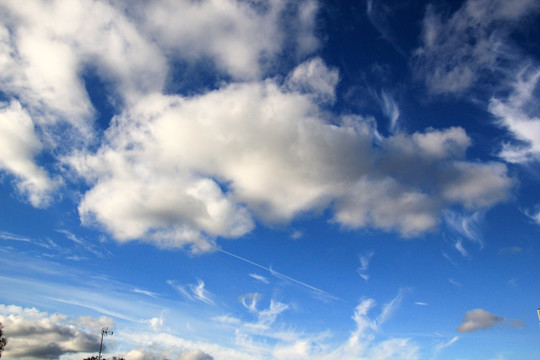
(3, 340)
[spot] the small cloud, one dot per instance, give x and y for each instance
(193, 291)
(296, 234)
(14, 237)
(516, 323)
(479, 319)
(260, 278)
(364, 264)
(156, 323)
(465, 226)
(443, 345)
(250, 301)
(226, 319)
(460, 248)
(513, 250)
(201, 293)
(420, 303)
(144, 292)
(268, 316)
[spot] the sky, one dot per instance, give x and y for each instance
(270, 179)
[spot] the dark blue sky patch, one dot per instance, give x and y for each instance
(194, 77)
(103, 97)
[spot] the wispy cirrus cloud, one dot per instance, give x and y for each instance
(365, 259)
(193, 291)
(259, 278)
(443, 345)
(460, 49)
(465, 227)
(520, 115)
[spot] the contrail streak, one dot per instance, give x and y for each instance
(280, 275)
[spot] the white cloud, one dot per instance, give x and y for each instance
(465, 226)
(269, 315)
(144, 186)
(48, 53)
(193, 291)
(520, 115)
(241, 37)
(362, 344)
(314, 77)
(260, 278)
(19, 145)
(443, 345)
(364, 264)
(250, 301)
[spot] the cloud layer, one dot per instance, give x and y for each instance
(181, 170)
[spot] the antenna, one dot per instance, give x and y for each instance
(104, 331)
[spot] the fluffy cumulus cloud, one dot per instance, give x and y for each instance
(33, 334)
(243, 38)
(19, 144)
(182, 170)
(185, 169)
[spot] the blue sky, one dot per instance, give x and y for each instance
(273, 179)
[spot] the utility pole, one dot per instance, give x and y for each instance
(104, 331)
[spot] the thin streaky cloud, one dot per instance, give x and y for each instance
(201, 293)
(260, 278)
(442, 345)
(280, 275)
(15, 237)
(144, 292)
(99, 309)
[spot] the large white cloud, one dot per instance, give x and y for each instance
(188, 168)
(183, 170)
